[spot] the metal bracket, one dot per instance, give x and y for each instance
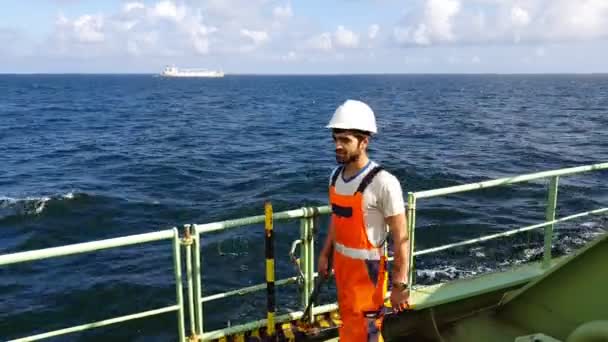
(194, 338)
(187, 240)
(296, 261)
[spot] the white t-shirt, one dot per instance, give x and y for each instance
(382, 198)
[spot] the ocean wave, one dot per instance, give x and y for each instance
(31, 205)
(495, 256)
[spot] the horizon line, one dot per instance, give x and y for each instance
(316, 74)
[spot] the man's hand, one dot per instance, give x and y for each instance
(323, 265)
(399, 299)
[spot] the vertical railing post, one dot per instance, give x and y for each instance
(198, 295)
(269, 242)
(177, 266)
(550, 216)
(187, 242)
(310, 258)
(304, 259)
(411, 228)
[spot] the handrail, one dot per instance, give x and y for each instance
(509, 232)
(98, 324)
(307, 216)
(86, 247)
(509, 180)
(279, 216)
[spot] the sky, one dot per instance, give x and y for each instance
(305, 36)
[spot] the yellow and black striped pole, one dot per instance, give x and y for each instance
(269, 269)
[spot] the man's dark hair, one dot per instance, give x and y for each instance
(359, 134)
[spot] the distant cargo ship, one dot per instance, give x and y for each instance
(172, 71)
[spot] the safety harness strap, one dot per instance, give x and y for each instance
(369, 177)
(334, 177)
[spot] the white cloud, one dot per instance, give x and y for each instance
(502, 21)
(135, 31)
(126, 25)
(583, 19)
(439, 14)
(61, 20)
(346, 38)
(84, 29)
(519, 17)
(168, 10)
(401, 35)
(235, 14)
(282, 12)
(290, 57)
(373, 30)
(322, 41)
(186, 28)
(139, 43)
(172, 31)
(433, 25)
(342, 38)
(131, 6)
(199, 38)
(257, 37)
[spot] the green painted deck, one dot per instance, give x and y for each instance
(448, 302)
(434, 295)
(549, 304)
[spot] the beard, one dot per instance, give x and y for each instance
(347, 158)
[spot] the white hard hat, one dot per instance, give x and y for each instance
(354, 114)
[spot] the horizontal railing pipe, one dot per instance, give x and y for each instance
(507, 233)
(98, 324)
(279, 216)
(246, 290)
(509, 180)
(84, 247)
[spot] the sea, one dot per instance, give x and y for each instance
(91, 157)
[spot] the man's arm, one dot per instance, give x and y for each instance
(323, 263)
(398, 228)
(329, 240)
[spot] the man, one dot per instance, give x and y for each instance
(364, 200)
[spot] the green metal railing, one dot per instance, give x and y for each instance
(550, 211)
(41, 254)
(307, 216)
